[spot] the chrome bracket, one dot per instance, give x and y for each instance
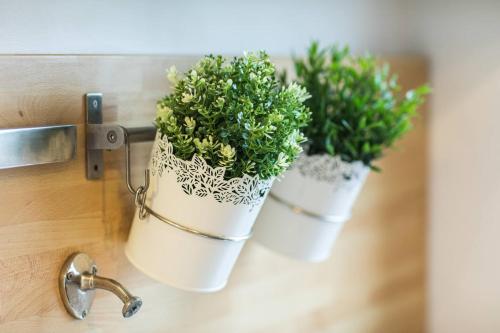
(107, 137)
(94, 116)
(78, 281)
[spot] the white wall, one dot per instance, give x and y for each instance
(197, 27)
(462, 39)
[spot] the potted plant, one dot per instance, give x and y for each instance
(356, 114)
(224, 133)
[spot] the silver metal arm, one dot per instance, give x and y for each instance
(131, 304)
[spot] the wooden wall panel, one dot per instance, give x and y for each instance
(374, 282)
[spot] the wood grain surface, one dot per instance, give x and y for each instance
(374, 281)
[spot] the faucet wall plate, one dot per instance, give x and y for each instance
(77, 301)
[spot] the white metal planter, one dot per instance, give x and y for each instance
(306, 209)
(202, 221)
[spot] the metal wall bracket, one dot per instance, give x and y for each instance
(107, 137)
(78, 282)
(94, 116)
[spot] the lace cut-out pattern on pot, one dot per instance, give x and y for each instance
(198, 178)
(329, 169)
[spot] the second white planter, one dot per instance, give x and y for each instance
(202, 224)
(306, 210)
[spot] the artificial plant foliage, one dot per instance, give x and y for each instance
(356, 106)
(236, 115)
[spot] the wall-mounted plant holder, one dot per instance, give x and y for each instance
(195, 222)
(308, 207)
(191, 223)
(37, 145)
(78, 282)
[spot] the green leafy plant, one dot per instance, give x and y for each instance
(355, 104)
(235, 115)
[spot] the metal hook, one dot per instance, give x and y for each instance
(141, 191)
(131, 304)
(128, 174)
(77, 284)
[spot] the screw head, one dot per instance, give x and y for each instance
(69, 276)
(112, 137)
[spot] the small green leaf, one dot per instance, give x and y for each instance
(362, 123)
(366, 147)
